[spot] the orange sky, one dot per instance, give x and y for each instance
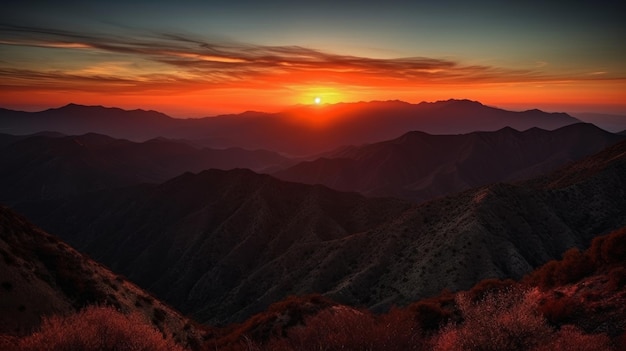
(181, 100)
(199, 60)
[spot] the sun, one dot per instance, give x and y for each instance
(317, 100)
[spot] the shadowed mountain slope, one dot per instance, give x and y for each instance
(46, 167)
(200, 240)
(302, 130)
(419, 166)
(223, 245)
(41, 276)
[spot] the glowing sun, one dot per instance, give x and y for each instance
(317, 100)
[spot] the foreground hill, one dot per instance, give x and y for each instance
(419, 166)
(575, 303)
(301, 130)
(51, 166)
(42, 276)
(223, 245)
(219, 243)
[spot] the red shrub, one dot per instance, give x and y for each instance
(609, 249)
(574, 266)
(343, 328)
(544, 276)
(614, 247)
(502, 321)
(96, 329)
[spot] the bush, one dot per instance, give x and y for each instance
(343, 328)
(609, 249)
(614, 247)
(544, 276)
(502, 321)
(96, 329)
(574, 266)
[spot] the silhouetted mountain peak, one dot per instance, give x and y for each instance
(460, 102)
(97, 110)
(420, 166)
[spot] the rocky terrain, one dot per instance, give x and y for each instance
(222, 245)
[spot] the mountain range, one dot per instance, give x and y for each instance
(47, 166)
(223, 245)
(416, 166)
(243, 220)
(610, 122)
(298, 131)
(419, 166)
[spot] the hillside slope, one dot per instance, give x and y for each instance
(202, 240)
(42, 276)
(224, 245)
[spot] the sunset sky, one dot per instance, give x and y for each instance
(201, 58)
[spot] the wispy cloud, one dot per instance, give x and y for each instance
(183, 61)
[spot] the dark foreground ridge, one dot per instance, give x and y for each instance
(223, 245)
(573, 303)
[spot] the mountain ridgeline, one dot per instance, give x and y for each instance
(223, 245)
(419, 166)
(416, 166)
(302, 130)
(45, 166)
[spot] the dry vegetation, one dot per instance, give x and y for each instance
(577, 303)
(96, 329)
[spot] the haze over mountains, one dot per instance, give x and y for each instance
(222, 245)
(302, 130)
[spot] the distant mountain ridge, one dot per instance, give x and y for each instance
(223, 245)
(302, 130)
(419, 166)
(611, 122)
(40, 167)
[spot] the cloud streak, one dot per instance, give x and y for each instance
(185, 74)
(194, 63)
